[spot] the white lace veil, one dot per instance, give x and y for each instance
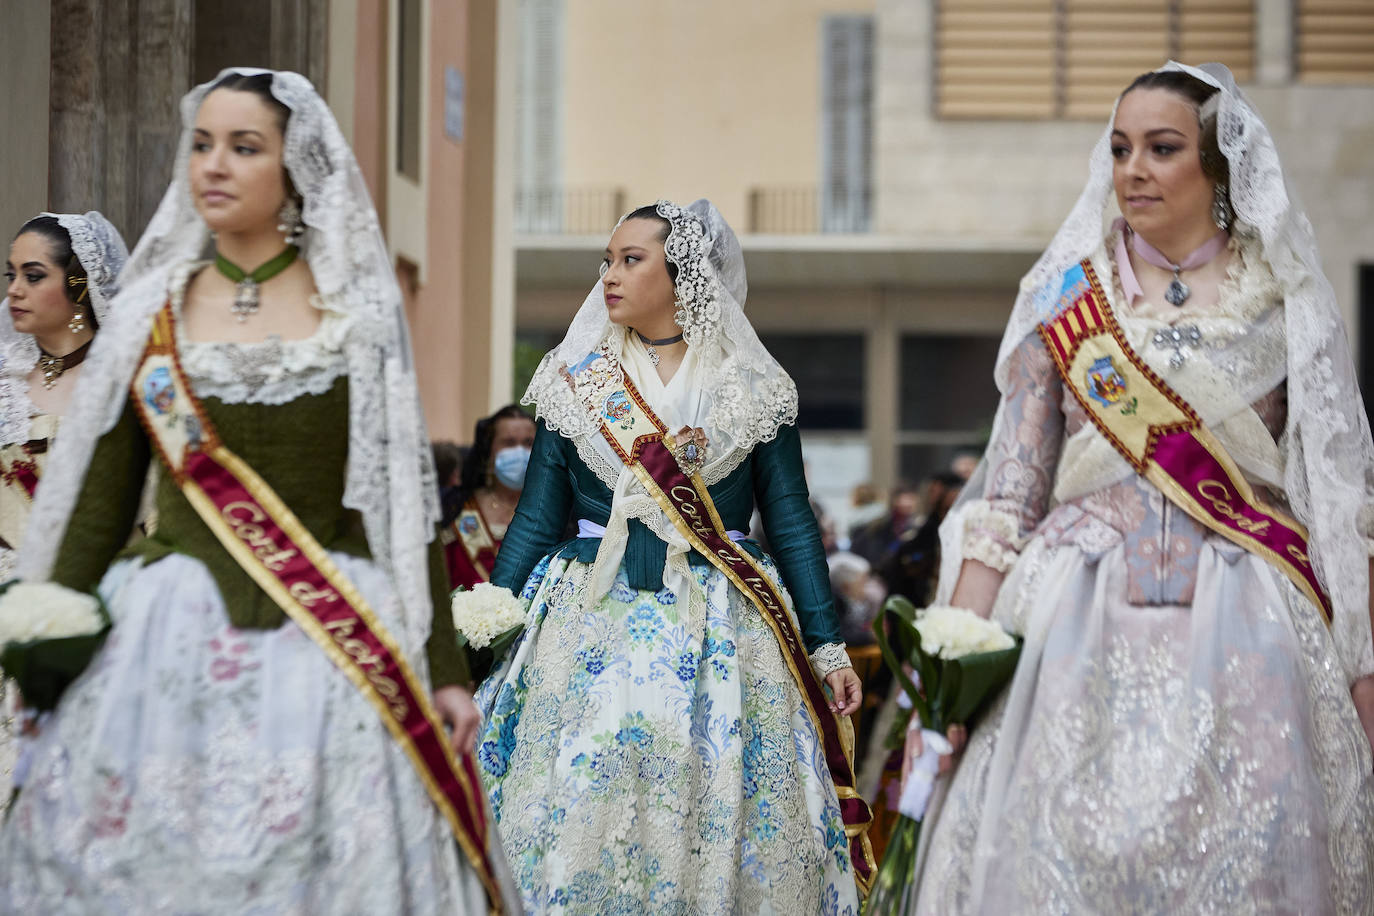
(742, 394)
(1329, 460)
(390, 478)
(101, 251)
(728, 385)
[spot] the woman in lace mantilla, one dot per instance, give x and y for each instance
(1180, 734)
(61, 274)
(211, 757)
(645, 746)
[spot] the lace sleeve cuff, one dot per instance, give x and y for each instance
(992, 536)
(830, 658)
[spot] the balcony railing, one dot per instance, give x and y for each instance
(784, 210)
(800, 210)
(577, 211)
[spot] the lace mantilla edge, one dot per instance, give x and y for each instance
(992, 536)
(829, 658)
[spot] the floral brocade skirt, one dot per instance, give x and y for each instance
(198, 768)
(1153, 759)
(642, 762)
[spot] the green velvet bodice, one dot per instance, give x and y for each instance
(300, 448)
(559, 488)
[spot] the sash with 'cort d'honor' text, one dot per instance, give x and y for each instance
(272, 545)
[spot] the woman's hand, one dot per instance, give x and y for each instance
(915, 746)
(1362, 692)
(848, 691)
(460, 714)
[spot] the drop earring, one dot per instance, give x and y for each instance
(77, 324)
(1221, 207)
(289, 221)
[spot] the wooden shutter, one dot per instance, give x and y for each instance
(1108, 43)
(1070, 58)
(1221, 31)
(1335, 41)
(846, 123)
(995, 59)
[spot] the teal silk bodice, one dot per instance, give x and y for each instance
(560, 488)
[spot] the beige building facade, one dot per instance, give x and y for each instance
(418, 88)
(891, 325)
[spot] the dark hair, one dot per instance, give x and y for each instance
(651, 212)
(1196, 91)
(448, 457)
(60, 242)
(260, 84)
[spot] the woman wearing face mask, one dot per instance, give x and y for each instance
(659, 740)
(264, 726)
(480, 509)
(61, 274)
(1175, 510)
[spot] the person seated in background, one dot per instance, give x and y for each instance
(912, 568)
(858, 596)
(879, 539)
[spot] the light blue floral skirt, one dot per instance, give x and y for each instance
(642, 762)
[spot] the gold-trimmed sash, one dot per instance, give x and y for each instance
(1162, 436)
(473, 536)
(266, 538)
(637, 435)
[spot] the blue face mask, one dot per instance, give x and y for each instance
(509, 466)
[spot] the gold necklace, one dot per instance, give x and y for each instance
(54, 366)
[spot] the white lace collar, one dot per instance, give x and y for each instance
(273, 371)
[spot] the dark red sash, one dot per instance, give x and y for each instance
(639, 438)
(264, 536)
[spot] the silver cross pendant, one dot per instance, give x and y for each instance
(1179, 339)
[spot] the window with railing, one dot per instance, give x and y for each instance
(569, 211)
(846, 123)
(409, 95)
(538, 117)
(784, 210)
(1334, 41)
(1040, 59)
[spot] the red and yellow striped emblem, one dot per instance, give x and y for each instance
(1163, 437)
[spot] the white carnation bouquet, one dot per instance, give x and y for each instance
(962, 661)
(953, 632)
(488, 616)
(48, 635)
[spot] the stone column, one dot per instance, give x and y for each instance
(24, 112)
(118, 68)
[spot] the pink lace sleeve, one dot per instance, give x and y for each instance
(1021, 460)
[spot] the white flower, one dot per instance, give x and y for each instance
(486, 612)
(953, 632)
(45, 610)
